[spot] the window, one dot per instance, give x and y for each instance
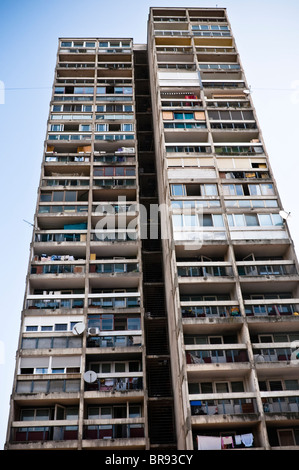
(60, 327)
(233, 190)
(134, 324)
(127, 127)
(207, 220)
(31, 328)
(83, 90)
(190, 220)
(265, 219)
(209, 190)
(251, 220)
(84, 127)
(178, 190)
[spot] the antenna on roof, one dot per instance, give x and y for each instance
(29, 223)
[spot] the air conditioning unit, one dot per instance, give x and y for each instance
(93, 331)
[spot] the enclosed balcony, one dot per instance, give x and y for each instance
(273, 269)
(27, 387)
(199, 269)
(204, 406)
(41, 435)
(202, 355)
(130, 431)
(117, 299)
(55, 301)
(272, 308)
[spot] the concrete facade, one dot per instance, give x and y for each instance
(161, 306)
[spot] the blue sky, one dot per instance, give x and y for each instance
(267, 38)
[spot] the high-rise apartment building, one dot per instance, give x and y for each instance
(161, 308)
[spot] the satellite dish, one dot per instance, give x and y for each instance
(78, 329)
(90, 376)
(284, 214)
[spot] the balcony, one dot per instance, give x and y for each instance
(65, 209)
(212, 309)
(60, 237)
(130, 384)
(214, 355)
(110, 300)
(43, 434)
(273, 352)
(213, 269)
(124, 430)
(239, 149)
(123, 339)
(271, 308)
(223, 404)
(55, 301)
(110, 275)
(55, 269)
(114, 236)
(48, 386)
(52, 158)
(260, 269)
(282, 403)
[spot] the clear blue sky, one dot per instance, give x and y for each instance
(267, 38)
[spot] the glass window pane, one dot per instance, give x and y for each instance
(177, 220)
(191, 220)
(218, 220)
(265, 219)
(277, 220)
(134, 324)
(178, 190)
(251, 220)
(58, 196)
(267, 189)
(254, 189)
(207, 220)
(210, 190)
(70, 196)
(239, 220)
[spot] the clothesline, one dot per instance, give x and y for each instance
(220, 442)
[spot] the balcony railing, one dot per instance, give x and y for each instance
(59, 209)
(125, 300)
(113, 431)
(236, 126)
(117, 341)
(205, 271)
(259, 309)
(216, 356)
(60, 237)
(220, 406)
(114, 268)
(67, 158)
(54, 302)
(280, 404)
(200, 311)
(172, 33)
(115, 384)
(44, 433)
(113, 236)
(48, 386)
(58, 269)
(249, 270)
(111, 183)
(274, 354)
